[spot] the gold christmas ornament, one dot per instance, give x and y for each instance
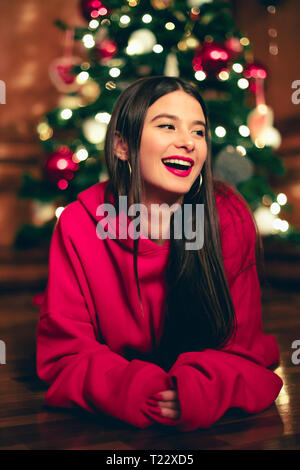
(69, 101)
(182, 45)
(180, 16)
(42, 212)
(89, 92)
(192, 42)
(162, 4)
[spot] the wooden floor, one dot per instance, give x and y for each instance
(26, 423)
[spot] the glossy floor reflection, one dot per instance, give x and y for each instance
(26, 423)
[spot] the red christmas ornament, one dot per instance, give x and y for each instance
(106, 49)
(256, 71)
(61, 75)
(92, 9)
(234, 47)
(60, 69)
(211, 58)
(194, 14)
(60, 166)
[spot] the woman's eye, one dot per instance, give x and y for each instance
(166, 125)
(200, 132)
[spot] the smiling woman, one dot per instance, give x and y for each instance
(146, 331)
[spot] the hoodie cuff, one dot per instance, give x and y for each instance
(189, 397)
(149, 410)
(148, 380)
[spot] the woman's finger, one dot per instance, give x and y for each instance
(166, 395)
(174, 405)
(169, 413)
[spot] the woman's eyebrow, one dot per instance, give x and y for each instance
(171, 116)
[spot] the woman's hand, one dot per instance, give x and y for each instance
(167, 403)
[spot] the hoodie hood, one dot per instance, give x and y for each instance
(118, 227)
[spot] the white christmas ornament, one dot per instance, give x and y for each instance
(270, 137)
(259, 119)
(265, 220)
(141, 42)
(197, 3)
(94, 131)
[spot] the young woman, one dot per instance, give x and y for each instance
(145, 328)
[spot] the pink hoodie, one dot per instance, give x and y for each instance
(94, 347)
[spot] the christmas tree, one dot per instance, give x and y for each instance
(126, 40)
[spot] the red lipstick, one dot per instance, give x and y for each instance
(179, 172)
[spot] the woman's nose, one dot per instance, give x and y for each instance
(185, 140)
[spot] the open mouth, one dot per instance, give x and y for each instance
(177, 164)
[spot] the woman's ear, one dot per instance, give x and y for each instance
(120, 146)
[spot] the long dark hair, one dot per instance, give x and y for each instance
(199, 311)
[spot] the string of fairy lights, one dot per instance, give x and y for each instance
(143, 41)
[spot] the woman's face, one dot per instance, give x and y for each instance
(181, 134)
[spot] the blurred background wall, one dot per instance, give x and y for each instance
(29, 42)
(283, 68)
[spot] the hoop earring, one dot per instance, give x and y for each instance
(199, 186)
(129, 167)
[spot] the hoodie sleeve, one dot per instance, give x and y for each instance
(212, 381)
(81, 371)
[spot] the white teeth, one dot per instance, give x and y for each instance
(181, 162)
